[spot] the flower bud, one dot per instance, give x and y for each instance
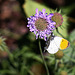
(57, 17)
(63, 73)
(38, 69)
(59, 54)
(61, 65)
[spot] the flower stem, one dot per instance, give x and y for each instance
(56, 64)
(43, 58)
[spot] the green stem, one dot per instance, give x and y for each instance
(59, 33)
(56, 64)
(30, 72)
(43, 58)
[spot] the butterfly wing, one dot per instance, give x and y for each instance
(64, 44)
(54, 45)
(48, 41)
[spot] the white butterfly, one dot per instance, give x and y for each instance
(54, 43)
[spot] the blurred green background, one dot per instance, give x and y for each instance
(24, 56)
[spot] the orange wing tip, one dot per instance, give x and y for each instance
(64, 44)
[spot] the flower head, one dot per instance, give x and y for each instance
(57, 17)
(41, 24)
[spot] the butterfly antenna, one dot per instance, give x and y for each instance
(44, 50)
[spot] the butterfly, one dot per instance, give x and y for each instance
(55, 43)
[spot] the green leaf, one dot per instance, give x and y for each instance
(1, 48)
(62, 31)
(33, 56)
(72, 36)
(69, 55)
(10, 72)
(30, 6)
(59, 11)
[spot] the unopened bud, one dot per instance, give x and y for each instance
(63, 73)
(61, 65)
(59, 54)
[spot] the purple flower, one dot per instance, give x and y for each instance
(41, 24)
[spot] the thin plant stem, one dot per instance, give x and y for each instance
(59, 33)
(56, 63)
(43, 58)
(30, 72)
